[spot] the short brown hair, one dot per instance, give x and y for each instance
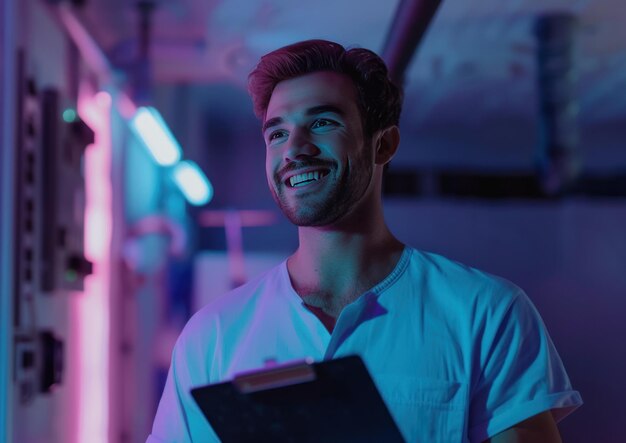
(379, 99)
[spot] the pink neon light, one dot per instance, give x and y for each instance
(92, 307)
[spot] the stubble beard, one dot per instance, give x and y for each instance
(344, 194)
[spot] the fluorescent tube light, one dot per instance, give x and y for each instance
(192, 182)
(154, 132)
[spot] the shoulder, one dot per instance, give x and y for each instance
(233, 306)
(453, 282)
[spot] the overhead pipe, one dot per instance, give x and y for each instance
(89, 49)
(405, 34)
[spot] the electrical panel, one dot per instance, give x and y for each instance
(49, 232)
(63, 204)
(27, 253)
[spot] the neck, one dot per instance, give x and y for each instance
(334, 265)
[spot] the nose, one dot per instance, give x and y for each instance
(299, 146)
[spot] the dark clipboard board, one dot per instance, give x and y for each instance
(330, 401)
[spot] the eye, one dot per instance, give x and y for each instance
(323, 123)
(275, 135)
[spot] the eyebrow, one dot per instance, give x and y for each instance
(315, 110)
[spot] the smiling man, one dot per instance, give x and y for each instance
(457, 354)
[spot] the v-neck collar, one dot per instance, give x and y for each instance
(365, 307)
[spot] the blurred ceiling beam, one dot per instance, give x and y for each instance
(405, 34)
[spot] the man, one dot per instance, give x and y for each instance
(457, 354)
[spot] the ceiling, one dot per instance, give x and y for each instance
(475, 66)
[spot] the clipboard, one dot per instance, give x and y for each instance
(329, 401)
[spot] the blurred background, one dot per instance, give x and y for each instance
(133, 190)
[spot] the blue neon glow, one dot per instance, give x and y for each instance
(192, 182)
(156, 135)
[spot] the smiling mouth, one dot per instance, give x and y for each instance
(298, 180)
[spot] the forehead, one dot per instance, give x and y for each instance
(319, 88)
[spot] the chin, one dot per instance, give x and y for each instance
(304, 220)
(312, 219)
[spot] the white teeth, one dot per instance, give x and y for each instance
(302, 179)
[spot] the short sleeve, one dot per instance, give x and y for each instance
(521, 373)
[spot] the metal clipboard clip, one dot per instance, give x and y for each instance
(275, 377)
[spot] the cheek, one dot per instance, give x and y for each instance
(268, 160)
(270, 167)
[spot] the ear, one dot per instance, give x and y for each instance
(387, 144)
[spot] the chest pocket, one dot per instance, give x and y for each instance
(426, 410)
